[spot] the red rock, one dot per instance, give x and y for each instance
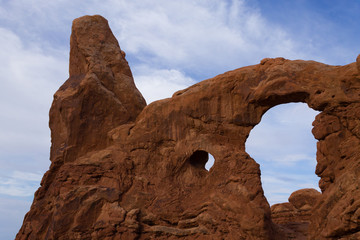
(121, 170)
(99, 95)
(294, 216)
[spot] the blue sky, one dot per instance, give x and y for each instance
(170, 45)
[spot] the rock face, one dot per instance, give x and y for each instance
(123, 170)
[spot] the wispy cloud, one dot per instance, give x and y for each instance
(278, 185)
(20, 184)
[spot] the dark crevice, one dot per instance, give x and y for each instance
(199, 159)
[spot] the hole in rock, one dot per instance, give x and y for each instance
(202, 159)
(283, 145)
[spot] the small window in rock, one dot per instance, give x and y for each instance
(202, 159)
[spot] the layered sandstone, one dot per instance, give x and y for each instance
(123, 170)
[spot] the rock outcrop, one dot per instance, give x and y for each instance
(294, 216)
(123, 170)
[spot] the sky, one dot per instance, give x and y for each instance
(170, 45)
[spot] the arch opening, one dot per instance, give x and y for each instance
(283, 145)
(202, 159)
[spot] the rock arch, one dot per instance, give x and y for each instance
(131, 186)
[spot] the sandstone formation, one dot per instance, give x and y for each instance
(123, 170)
(294, 216)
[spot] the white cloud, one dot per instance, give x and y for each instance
(197, 36)
(30, 71)
(156, 84)
(20, 184)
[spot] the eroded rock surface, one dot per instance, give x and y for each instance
(123, 170)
